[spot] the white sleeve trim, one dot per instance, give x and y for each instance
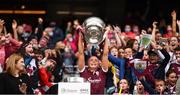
(82, 69)
(160, 54)
(104, 70)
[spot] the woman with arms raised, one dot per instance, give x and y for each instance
(95, 73)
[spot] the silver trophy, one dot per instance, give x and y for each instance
(94, 30)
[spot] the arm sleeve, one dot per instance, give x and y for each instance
(12, 47)
(122, 69)
(119, 62)
(15, 43)
(114, 60)
(166, 59)
(160, 73)
(147, 87)
(44, 77)
(160, 54)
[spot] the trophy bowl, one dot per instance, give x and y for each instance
(94, 30)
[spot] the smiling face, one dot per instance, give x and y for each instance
(128, 53)
(172, 78)
(15, 64)
(173, 41)
(93, 62)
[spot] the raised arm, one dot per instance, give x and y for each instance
(123, 42)
(14, 27)
(162, 53)
(154, 31)
(178, 23)
(105, 56)
(173, 14)
(81, 59)
(1, 25)
(116, 30)
(147, 87)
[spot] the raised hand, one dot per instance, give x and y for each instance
(80, 41)
(173, 14)
(143, 32)
(155, 46)
(40, 20)
(155, 24)
(47, 53)
(23, 88)
(14, 24)
(81, 60)
(8, 36)
(141, 48)
(108, 28)
(80, 28)
(69, 24)
(158, 47)
(53, 52)
(117, 29)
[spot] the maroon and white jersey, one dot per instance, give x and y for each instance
(176, 68)
(97, 79)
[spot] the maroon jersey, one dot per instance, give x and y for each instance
(97, 80)
(176, 68)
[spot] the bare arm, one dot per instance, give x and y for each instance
(154, 31)
(14, 27)
(178, 23)
(122, 41)
(105, 56)
(81, 60)
(1, 25)
(116, 30)
(173, 14)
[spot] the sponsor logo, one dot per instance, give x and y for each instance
(94, 80)
(84, 91)
(64, 90)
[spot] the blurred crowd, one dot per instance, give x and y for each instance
(33, 61)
